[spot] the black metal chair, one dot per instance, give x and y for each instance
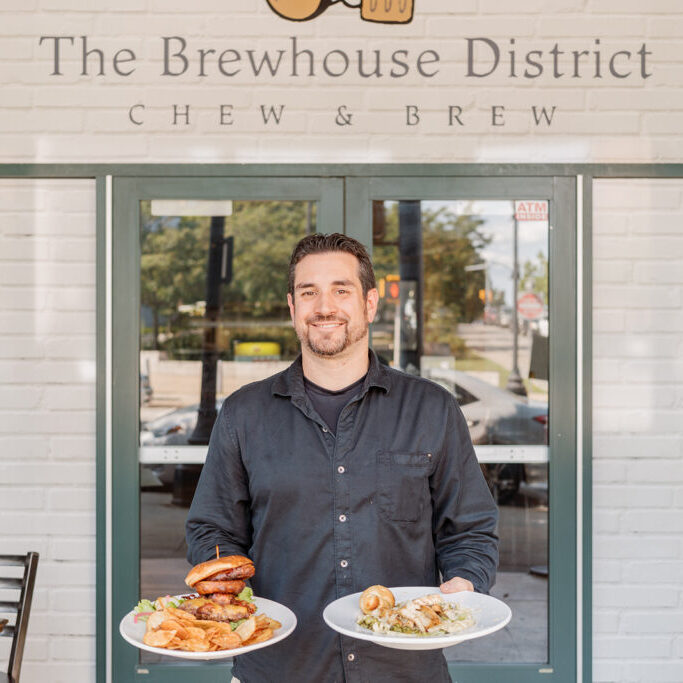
(22, 607)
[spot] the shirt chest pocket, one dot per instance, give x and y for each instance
(403, 485)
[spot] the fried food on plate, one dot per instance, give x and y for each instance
(376, 597)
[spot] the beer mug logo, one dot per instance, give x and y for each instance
(382, 11)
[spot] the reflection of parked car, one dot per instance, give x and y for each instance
(494, 415)
(497, 416)
(146, 391)
(173, 428)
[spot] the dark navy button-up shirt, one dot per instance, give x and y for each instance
(395, 498)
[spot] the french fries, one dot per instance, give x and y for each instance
(174, 629)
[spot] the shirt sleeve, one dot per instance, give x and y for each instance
(464, 514)
(220, 511)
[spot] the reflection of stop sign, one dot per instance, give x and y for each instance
(529, 306)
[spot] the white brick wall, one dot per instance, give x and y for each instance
(47, 415)
(638, 430)
(85, 118)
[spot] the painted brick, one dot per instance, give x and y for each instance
(606, 369)
(654, 321)
(64, 599)
(29, 447)
(73, 648)
(69, 398)
(632, 596)
(612, 271)
(78, 549)
(657, 470)
(670, 671)
(606, 621)
(655, 572)
(654, 370)
(43, 523)
(73, 447)
(19, 397)
(619, 396)
(607, 571)
(14, 498)
(633, 7)
(652, 521)
(606, 671)
(81, 672)
(42, 473)
(606, 521)
(632, 496)
(633, 297)
(71, 499)
(609, 471)
(83, 348)
(641, 647)
(626, 547)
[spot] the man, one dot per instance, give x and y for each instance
(340, 473)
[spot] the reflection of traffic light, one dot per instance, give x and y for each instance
(390, 288)
(482, 295)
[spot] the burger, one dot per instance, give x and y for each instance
(223, 592)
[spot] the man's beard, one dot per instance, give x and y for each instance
(336, 344)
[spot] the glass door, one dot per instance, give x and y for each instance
(200, 276)
(476, 293)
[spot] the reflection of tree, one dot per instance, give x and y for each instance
(172, 266)
(451, 295)
(534, 277)
(173, 271)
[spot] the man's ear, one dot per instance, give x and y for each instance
(290, 303)
(371, 302)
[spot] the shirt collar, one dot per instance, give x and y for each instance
(291, 381)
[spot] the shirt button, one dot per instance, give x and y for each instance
(325, 430)
(342, 518)
(341, 469)
(350, 656)
(344, 563)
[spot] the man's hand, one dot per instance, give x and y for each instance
(455, 585)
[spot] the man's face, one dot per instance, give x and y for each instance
(328, 309)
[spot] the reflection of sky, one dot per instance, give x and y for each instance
(532, 237)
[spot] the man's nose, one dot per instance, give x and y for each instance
(326, 303)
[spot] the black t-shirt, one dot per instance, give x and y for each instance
(329, 404)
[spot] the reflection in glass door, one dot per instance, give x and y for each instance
(213, 317)
(200, 269)
(464, 301)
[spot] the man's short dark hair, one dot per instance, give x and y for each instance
(323, 244)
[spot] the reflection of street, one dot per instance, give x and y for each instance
(495, 343)
(177, 383)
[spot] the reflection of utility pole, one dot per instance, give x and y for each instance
(219, 271)
(487, 288)
(310, 228)
(410, 268)
(515, 384)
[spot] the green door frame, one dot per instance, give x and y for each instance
(561, 193)
(103, 173)
(125, 506)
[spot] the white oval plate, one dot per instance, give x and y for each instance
(133, 633)
(490, 615)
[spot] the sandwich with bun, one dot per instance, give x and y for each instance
(223, 592)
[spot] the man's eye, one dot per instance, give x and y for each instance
(342, 291)
(308, 293)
